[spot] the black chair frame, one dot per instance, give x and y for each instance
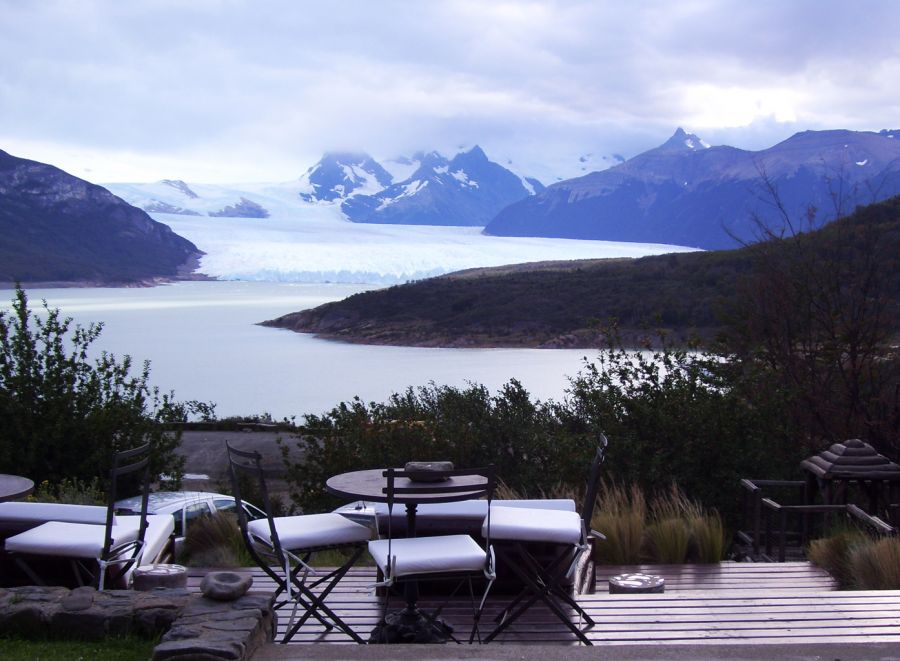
(291, 580)
(543, 582)
(480, 490)
(124, 555)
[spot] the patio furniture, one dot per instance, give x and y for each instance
(290, 542)
(13, 487)
(512, 529)
(451, 557)
(92, 548)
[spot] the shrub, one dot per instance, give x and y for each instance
(74, 492)
(533, 445)
(676, 414)
(63, 415)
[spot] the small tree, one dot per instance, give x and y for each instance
(63, 415)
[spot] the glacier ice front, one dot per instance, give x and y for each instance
(318, 245)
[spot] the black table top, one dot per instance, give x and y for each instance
(370, 484)
(13, 487)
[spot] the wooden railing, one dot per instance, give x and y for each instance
(766, 522)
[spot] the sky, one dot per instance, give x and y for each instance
(219, 91)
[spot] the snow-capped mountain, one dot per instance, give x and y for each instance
(468, 189)
(425, 189)
(687, 193)
(338, 175)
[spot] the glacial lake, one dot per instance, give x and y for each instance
(203, 343)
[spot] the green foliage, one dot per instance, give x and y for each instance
(129, 648)
(73, 492)
(686, 416)
(533, 445)
(62, 415)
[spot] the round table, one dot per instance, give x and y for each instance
(371, 485)
(13, 487)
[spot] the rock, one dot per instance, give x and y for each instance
(225, 585)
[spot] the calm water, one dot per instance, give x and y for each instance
(203, 343)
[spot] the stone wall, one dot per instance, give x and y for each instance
(191, 625)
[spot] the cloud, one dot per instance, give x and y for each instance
(257, 90)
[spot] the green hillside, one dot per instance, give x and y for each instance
(565, 304)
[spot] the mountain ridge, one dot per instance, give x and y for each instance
(709, 197)
(59, 228)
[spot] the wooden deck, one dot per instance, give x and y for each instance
(730, 603)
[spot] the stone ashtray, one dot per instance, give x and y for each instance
(225, 585)
(428, 471)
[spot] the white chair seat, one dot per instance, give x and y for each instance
(429, 555)
(70, 540)
(534, 525)
(34, 514)
(310, 530)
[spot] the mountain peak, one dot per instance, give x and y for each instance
(684, 141)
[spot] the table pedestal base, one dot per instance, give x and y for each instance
(410, 627)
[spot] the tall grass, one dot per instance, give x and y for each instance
(215, 541)
(671, 529)
(833, 553)
(876, 566)
(621, 515)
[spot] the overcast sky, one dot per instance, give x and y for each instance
(256, 90)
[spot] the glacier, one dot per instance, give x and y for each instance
(316, 244)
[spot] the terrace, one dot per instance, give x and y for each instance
(704, 606)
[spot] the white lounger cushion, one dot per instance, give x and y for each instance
(429, 555)
(534, 525)
(310, 530)
(85, 540)
(465, 509)
(38, 513)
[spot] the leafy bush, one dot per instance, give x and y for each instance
(74, 492)
(533, 445)
(685, 416)
(63, 415)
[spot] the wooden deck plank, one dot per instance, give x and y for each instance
(730, 603)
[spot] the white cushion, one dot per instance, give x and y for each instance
(38, 513)
(470, 509)
(70, 540)
(564, 504)
(429, 555)
(311, 530)
(534, 525)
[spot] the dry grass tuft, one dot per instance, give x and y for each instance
(876, 566)
(215, 541)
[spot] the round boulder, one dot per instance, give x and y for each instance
(225, 585)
